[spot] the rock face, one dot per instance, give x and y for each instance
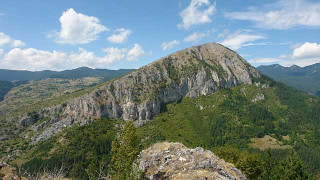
(139, 95)
(175, 161)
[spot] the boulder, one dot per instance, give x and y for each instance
(175, 161)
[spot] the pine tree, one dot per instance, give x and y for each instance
(291, 168)
(251, 165)
(125, 149)
(269, 163)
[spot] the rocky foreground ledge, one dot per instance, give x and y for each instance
(170, 161)
(174, 161)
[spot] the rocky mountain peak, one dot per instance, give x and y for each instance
(139, 95)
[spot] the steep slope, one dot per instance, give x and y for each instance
(138, 96)
(306, 79)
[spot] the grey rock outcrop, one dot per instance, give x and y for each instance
(259, 97)
(4, 137)
(139, 95)
(26, 120)
(175, 161)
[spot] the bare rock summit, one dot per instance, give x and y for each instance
(173, 161)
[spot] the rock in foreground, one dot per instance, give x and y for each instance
(175, 161)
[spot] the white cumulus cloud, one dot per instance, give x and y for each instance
(135, 52)
(304, 55)
(77, 28)
(4, 39)
(17, 43)
(283, 14)
(113, 55)
(121, 36)
(195, 37)
(87, 58)
(169, 45)
(240, 39)
(33, 59)
(36, 60)
(198, 12)
(264, 60)
(307, 50)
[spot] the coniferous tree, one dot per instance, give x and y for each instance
(291, 168)
(251, 165)
(125, 149)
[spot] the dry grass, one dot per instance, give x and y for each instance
(287, 138)
(267, 142)
(8, 172)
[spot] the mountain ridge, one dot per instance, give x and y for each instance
(303, 78)
(139, 95)
(25, 75)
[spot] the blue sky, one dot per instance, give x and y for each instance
(57, 35)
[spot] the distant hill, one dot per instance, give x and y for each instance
(16, 95)
(21, 75)
(306, 79)
(6, 86)
(12, 78)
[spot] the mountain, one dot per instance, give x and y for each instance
(306, 79)
(203, 96)
(20, 75)
(139, 95)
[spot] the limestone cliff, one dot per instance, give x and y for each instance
(173, 161)
(139, 95)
